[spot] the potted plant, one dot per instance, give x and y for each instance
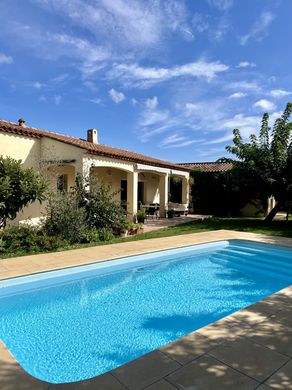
(170, 213)
(141, 216)
(132, 229)
(140, 227)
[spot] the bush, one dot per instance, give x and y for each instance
(102, 211)
(26, 239)
(18, 187)
(65, 218)
(105, 234)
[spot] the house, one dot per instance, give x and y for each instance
(60, 158)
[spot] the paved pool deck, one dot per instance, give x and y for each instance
(249, 349)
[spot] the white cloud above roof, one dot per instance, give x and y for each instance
(116, 96)
(265, 105)
(5, 59)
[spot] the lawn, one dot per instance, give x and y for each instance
(276, 228)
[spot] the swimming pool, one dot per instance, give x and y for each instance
(69, 325)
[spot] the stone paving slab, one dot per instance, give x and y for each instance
(249, 349)
(282, 379)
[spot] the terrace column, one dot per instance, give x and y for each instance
(163, 194)
(185, 190)
(132, 194)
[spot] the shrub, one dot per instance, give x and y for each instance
(102, 211)
(95, 235)
(105, 234)
(26, 239)
(18, 187)
(65, 218)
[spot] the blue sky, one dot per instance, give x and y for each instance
(167, 78)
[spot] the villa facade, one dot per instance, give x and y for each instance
(135, 178)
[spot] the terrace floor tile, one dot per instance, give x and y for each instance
(207, 373)
(249, 358)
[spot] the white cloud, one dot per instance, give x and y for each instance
(192, 108)
(95, 101)
(135, 75)
(260, 29)
(200, 23)
(224, 138)
(237, 95)
(57, 99)
(134, 102)
(152, 103)
(181, 144)
(246, 64)
(125, 25)
(278, 93)
(246, 124)
(264, 104)
(4, 59)
(245, 85)
(174, 138)
(116, 96)
(222, 5)
(153, 117)
(42, 99)
(38, 85)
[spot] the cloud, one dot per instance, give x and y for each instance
(38, 85)
(57, 99)
(265, 105)
(181, 144)
(153, 117)
(152, 103)
(278, 93)
(174, 138)
(134, 102)
(246, 124)
(246, 64)
(138, 76)
(116, 96)
(245, 85)
(260, 28)
(222, 5)
(95, 101)
(122, 24)
(237, 95)
(192, 108)
(200, 23)
(4, 59)
(224, 138)
(91, 57)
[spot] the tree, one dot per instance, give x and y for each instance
(18, 187)
(265, 161)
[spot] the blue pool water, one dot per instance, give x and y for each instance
(75, 324)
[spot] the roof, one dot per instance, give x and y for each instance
(95, 149)
(208, 166)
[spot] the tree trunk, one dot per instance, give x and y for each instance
(274, 211)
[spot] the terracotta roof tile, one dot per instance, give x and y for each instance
(96, 149)
(208, 166)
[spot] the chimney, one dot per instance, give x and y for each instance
(92, 136)
(21, 122)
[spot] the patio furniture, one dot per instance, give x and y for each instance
(179, 208)
(152, 210)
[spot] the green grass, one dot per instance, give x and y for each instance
(276, 228)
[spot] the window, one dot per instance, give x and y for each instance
(62, 183)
